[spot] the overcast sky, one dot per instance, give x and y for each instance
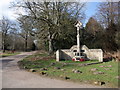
(4, 10)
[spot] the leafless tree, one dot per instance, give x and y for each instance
(5, 27)
(107, 13)
(25, 28)
(48, 16)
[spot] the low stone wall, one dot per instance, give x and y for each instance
(96, 54)
(65, 54)
(68, 54)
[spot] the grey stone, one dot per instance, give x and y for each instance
(76, 71)
(61, 76)
(62, 69)
(52, 64)
(118, 77)
(98, 72)
(99, 83)
(25, 67)
(32, 70)
(96, 82)
(101, 72)
(73, 70)
(102, 83)
(43, 73)
(94, 69)
(43, 69)
(66, 77)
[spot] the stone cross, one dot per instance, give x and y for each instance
(35, 42)
(78, 25)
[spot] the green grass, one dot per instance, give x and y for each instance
(70, 61)
(109, 76)
(8, 54)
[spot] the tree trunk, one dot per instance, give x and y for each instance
(26, 43)
(50, 43)
(3, 46)
(50, 47)
(3, 43)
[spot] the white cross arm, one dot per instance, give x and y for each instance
(79, 24)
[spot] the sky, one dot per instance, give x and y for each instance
(90, 9)
(4, 5)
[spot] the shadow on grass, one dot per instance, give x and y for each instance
(108, 59)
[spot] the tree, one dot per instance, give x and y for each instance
(50, 17)
(108, 17)
(110, 44)
(13, 35)
(93, 26)
(5, 27)
(0, 40)
(107, 13)
(25, 25)
(117, 38)
(92, 33)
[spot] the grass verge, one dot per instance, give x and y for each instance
(105, 74)
(6, 54)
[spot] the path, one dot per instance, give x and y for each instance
(13, 77)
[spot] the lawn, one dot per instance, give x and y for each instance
(6, 54)
(73, 71)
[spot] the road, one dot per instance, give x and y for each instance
(13, 77)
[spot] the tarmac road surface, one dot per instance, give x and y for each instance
(13, 77)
